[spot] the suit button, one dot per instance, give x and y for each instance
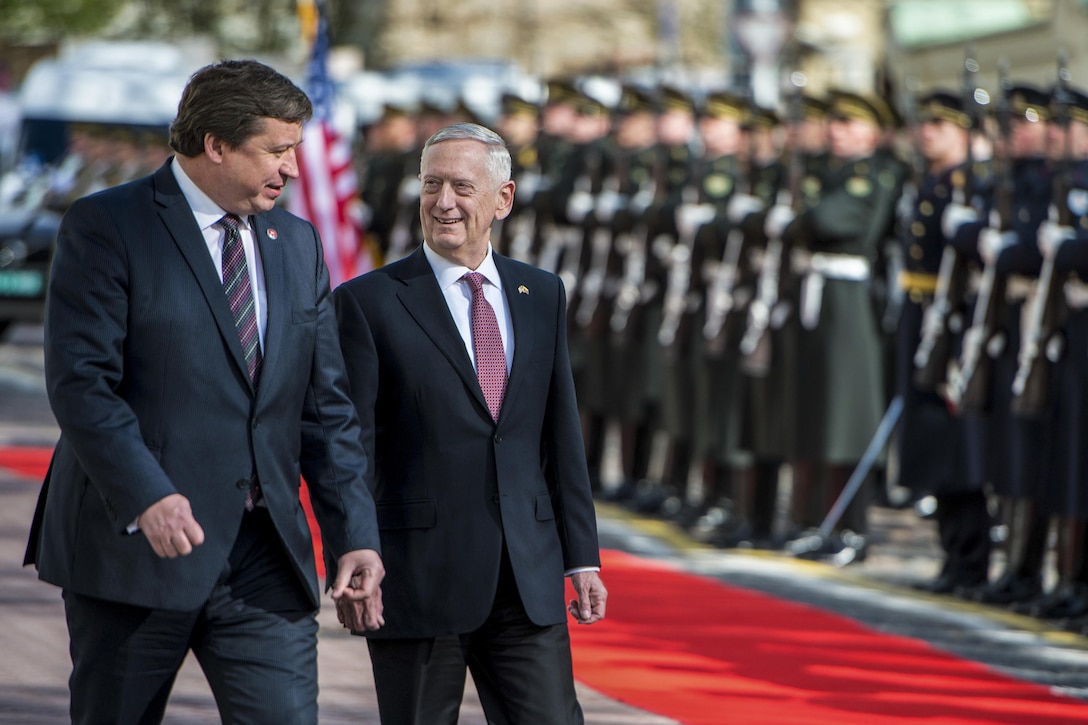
(495, 498)
(242, 483)
(498, 439)
(255, 423)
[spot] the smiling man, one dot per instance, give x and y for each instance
(192, 364)
(457, 359)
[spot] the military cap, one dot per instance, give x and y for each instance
(1075, 104)
(1028, 102)
(674, 99)
(813, 108)
(561, 90)
(636, 100)
(860, 107)
(943, 105)
(391, 111)
(759, 117)
(589, 106)
(515, 105)
(725, 105)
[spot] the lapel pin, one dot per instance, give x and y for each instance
(523, 290)
(272, 233)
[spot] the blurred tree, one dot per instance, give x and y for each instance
(44, 21)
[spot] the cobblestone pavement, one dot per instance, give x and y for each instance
(33, 654)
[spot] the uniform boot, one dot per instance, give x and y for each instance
(1025, 549)
(803, 493)
(1069, 598)
(764, 501)
(736, 527)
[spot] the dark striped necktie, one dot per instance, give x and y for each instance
(240, 294)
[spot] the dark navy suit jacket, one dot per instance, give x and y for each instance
(451, 485)
(147, 380)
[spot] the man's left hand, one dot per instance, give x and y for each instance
(357, 590)
(589, 606)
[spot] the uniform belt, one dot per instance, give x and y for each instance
(1018, 287)
(917, 282)
(849, 267)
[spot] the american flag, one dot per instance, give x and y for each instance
(327, 191)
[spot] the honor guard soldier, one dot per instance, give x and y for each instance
(841, 389)
(390, 158)
(1054, 354)
(519, 126)
(932, 442)
(716, 379)
(1005, 242)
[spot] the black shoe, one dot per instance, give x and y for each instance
(1009, 589)
(624, 492)
(1069, 601)
(814, 546)
(944, 584)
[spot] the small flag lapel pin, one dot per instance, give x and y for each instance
(523, 290)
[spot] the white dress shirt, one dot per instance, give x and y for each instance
(459, 299)
(208, 214)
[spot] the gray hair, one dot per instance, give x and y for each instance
(497, 160)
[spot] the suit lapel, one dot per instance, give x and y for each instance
(275, 268)
(179, 221)
(423, 300)
(523, 322)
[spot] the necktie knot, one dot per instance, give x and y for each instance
(475, 281)
(230, 222)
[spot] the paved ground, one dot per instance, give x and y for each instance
(34, 663)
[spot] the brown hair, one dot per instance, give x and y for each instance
(230, 100)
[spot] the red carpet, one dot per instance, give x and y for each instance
(704, 653)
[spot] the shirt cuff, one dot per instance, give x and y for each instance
(578, 569)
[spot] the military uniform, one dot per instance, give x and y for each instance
(1015, 447)
(933, 443)
(841, 384)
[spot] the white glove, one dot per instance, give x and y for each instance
(408, 193)
(955, 216)
(605, 206)
(1051, 236)
(778, 218)
(690, 217)
(741, 205)
(991, 241)
(579, 204)
(526, 187)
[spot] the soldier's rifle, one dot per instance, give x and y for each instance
(755, 345)
(634, 245)
(969, 382)
(601, 198)
(943, 319)
(1041, 345)
(691, 216)
(725, 299)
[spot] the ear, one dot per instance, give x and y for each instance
(214, 148)
(506, 200)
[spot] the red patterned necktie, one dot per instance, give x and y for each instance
(487, 343)
(240, 294)
(240, 297)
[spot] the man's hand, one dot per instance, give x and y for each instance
(357, 590)
(170, 527)
(589, 606)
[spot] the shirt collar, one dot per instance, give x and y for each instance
(206, 211)
(449, 274)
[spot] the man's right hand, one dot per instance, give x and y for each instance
(170, 527)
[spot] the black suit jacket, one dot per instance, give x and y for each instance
(450, 484)
(147, 380)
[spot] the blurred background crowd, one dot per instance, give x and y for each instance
(818, 253)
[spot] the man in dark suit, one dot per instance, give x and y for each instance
(457, 359)
(192, 364)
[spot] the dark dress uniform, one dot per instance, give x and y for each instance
(934, 443)
(1015, 447)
